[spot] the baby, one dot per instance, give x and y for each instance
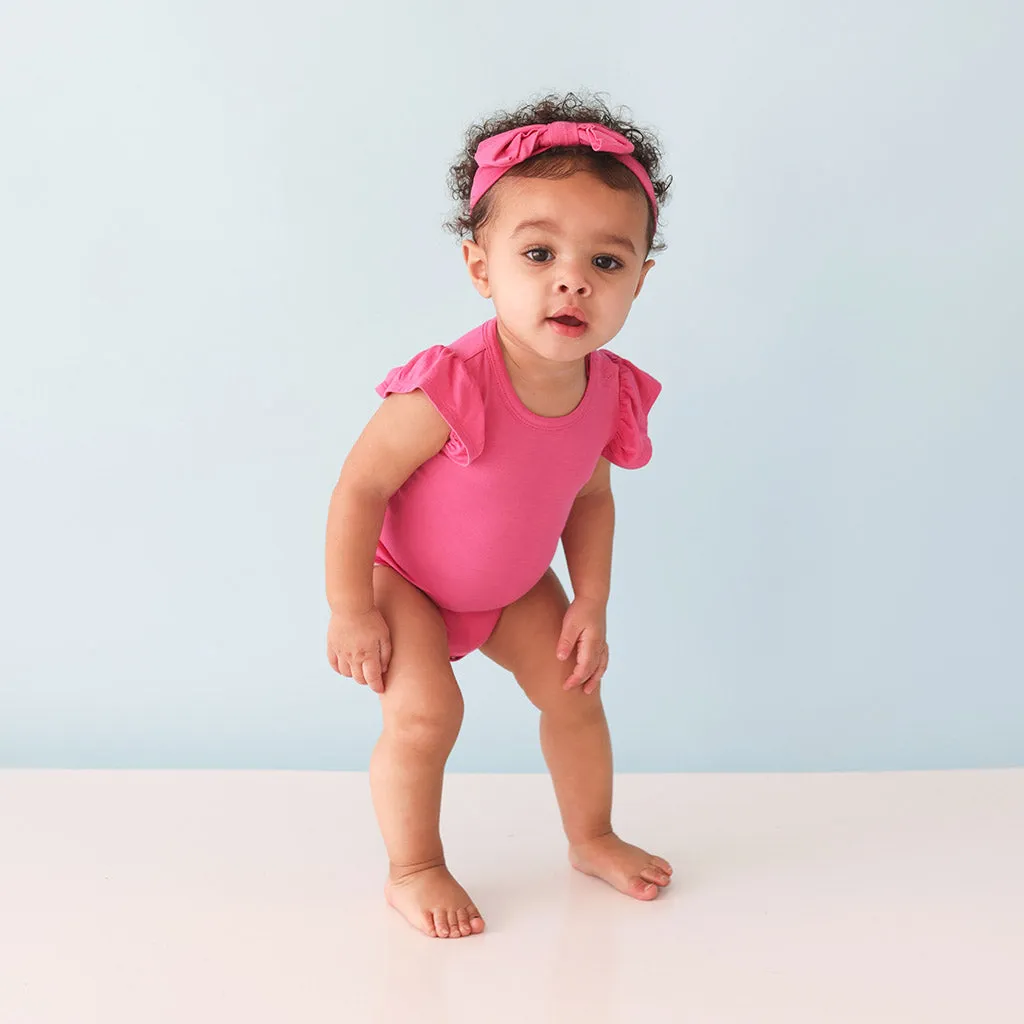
(483, 454)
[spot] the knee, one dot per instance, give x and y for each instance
(569, 705)
(423, 730)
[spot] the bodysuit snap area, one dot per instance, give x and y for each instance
(467, 631)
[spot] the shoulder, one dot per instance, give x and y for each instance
(620, 374)
(450, 363)
(471, 348)
(634, 392)
(449, 376)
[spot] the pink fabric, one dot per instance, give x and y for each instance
(476, 526)
(499, 153)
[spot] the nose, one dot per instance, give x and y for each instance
(572, 280)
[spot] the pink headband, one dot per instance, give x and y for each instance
(499, 153)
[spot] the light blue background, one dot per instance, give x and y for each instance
(220, 226)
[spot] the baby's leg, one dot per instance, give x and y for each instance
(422, 709)
(574, 738)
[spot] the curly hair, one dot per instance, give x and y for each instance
(560, 162)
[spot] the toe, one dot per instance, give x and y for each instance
(476, 922)
(441, 924)
(663, 864)
(642, 889)
(655, 875)
(463, 916)
(428, 924)
(454, 931)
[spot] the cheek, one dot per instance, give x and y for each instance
(624, 288)
(515, 277)
(513, 288)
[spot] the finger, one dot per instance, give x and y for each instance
(602, 667)
(372, 675)
(356, 665)
(585, 663)
(567, 640)
(385, 654)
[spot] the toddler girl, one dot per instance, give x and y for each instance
(484, 453)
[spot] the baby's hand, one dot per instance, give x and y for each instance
(359, 646)
(584, 628)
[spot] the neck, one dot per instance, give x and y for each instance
(534, 371)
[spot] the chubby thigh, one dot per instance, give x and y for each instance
(421, 697)
(525, 642)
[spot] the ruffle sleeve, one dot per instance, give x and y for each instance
(630, 447)
(442, 376)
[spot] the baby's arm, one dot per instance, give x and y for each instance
(587, 537)
(404, 432)
(587, 541)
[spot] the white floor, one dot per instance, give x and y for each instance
(150, 897)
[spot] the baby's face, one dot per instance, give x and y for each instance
(553, 245)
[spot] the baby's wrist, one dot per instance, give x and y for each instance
(352, 604)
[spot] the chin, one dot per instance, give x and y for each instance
(561, 349)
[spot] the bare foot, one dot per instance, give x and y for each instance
(432, 901)
(629, 869)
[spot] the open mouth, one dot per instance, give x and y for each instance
(569, 321)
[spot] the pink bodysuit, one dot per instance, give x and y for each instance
(477, 525)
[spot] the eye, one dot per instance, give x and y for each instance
(601, 266)
(537, 248)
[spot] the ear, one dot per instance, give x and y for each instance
(476, 264)
(643, 274)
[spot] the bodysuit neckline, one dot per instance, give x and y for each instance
(513, 401)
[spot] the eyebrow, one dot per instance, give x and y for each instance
(550, 225)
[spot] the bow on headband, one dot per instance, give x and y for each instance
(499, 153)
